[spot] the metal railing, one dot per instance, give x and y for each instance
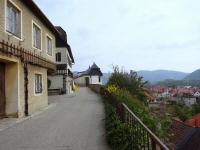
(143, 137)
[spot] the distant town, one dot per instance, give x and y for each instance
(186, 95)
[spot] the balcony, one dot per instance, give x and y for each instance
(61, 69)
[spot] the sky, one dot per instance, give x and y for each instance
(134, 34)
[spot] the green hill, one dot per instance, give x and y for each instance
(171, 82)
(193, 76)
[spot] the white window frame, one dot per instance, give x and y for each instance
(21, 14)
(47, 36)
(34, 23)
(38, 73)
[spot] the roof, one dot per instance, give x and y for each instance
(194, 120)
(93, 70)
(178, 131)
(192, 141)
(61, 41)
(183, 136)
(38, 12)
(94, 66)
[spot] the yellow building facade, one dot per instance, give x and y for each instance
(27, 54)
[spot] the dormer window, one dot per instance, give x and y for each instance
(13, 20)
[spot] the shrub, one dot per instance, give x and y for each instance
(128, 81)
(119, 135)
(128, 88)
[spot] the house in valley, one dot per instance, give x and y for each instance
(61, 82)
(92, 76)
(197, 94)
(184, 98)
(27, 55)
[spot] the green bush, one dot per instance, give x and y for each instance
(119, 135)
(129, 81)
(129, 89)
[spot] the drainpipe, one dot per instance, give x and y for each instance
(26, 88)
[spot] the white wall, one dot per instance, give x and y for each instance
(56, 82)
(64, 56)
(95, 80)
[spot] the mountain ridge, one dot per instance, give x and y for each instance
(161, 74)
(195, 75)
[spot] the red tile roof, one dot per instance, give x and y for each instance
(194, 121)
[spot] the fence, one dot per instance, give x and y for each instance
(143, 138)
(25, 55)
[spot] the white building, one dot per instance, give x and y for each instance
(92, 76)
(197, 94)
(61, 82)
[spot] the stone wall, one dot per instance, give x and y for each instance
(95, 87)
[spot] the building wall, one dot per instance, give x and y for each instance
(92, 80)
(95, 80)
(15, 95)
(63, 52)
(64, 56)
(37, 101)
(26, 41)
(189, 101)
(81, 81)
(56, 81)
(69, 84)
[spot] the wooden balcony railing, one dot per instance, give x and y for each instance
(143, 137)
(25, 56)
(61, 72)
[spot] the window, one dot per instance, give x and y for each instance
(49, 46)
(58, 57)
(13, 20)
(36, 37)
(38, 83)
(99, 79)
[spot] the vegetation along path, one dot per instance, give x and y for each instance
(75, 123)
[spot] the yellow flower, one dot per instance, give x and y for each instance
(112, 88)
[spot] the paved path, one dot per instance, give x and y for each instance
(75, 123)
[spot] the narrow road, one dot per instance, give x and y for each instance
(75, 123)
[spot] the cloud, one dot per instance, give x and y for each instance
(137, 34)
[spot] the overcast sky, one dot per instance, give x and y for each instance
(136, 34)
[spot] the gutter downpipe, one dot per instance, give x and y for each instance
(26, 88)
